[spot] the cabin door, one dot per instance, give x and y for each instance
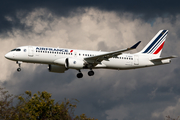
(136, 60)
(30, 51)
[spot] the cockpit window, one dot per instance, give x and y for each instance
(13, 50)
(18, 49)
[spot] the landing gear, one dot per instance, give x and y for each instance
(91, 73)
(19, 64)
(19, 69)
(79, 75)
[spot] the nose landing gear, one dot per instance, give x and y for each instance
(19, 64)
(18, 69)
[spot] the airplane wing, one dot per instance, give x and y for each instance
(164, 58)
(97, 59)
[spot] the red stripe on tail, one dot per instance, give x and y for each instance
(159, 49)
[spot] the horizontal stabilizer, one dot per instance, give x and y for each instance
(164, 58)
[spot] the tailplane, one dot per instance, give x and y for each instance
(156, 44)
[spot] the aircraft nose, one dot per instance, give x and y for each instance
(7, 56)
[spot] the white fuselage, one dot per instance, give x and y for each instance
(62, 59)
(47, 55)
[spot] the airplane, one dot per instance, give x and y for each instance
(61, 59)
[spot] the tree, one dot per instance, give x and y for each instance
(6, 104)
(39, 106)
(170, 118)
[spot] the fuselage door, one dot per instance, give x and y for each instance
(30, 51)
(136, 60)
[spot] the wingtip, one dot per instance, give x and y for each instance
(135, 46)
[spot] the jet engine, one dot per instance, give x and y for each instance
(56, 68)
(74, 63)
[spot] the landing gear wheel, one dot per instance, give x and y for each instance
(19, 64)
(79, 75)
(19, 69)
(91, 73)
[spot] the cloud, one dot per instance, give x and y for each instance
(117, 113)
(108, 90)
(153, 93)
(172, 111)
(145, 10)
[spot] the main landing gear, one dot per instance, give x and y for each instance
(91, 73)
(19, 64)
(80, 75)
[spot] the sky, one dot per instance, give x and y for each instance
(148, 93)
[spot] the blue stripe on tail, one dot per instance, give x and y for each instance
(158, 42)
(154, 42)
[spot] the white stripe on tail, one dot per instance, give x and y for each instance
(156, 44)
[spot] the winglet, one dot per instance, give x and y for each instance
(134, 46)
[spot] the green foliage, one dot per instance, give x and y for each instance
(6, 106)
(39, 106)
(170, 118)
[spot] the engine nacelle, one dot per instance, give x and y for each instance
(56, 68)
(74, 63)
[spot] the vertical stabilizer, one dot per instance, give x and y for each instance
(156, 44)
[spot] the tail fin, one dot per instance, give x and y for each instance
(156, 44)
